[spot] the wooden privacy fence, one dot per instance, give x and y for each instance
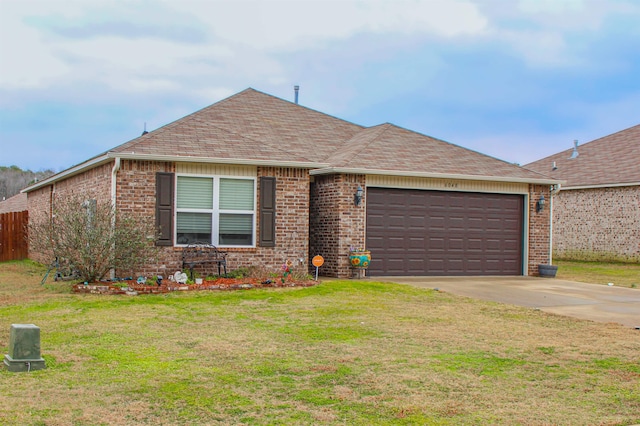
(13, 235)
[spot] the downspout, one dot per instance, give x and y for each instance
(114, 175)
(552, 193)
(551, 227)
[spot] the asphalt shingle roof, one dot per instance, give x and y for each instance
(610, 160)
(252, 125)
(17, 203)
(389, 147)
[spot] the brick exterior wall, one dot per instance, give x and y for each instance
(93, 184)
(539, 229)
(597, 224)
(39, 206)
(292, 224)
(136, 194)
(320, 219)
(335, 223)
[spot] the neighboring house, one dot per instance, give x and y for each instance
(17, 203)
(596, 214)
(269, 180)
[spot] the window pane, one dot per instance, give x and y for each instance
(236, 194)
(193, 227)
(195, 193)
(236, 229)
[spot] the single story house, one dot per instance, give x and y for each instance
(596, 214)
(269, 180)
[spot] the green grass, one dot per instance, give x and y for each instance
(343, 352)
(621, 274)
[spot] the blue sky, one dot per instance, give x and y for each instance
(515, 79)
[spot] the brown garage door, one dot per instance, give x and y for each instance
(415, 232)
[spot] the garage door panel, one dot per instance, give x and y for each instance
(455, 244)
(415, 232)
(436, 223)
(436, 244)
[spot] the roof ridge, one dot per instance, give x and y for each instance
(177, 121)
(303, 106)
(586, 144)
(459, 146)
(384, 127)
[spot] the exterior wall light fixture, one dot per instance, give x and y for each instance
(357, 197)
(540, 204)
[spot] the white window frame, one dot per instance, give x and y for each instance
(216, 211)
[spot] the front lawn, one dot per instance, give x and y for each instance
(621, 274)
(342, 352)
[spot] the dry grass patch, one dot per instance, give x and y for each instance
(343, 352)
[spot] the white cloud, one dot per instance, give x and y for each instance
(294, 25)
(25, 59)
(113, 42)
(553, 6)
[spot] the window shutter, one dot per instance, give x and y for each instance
(267, 211)
(164, 208)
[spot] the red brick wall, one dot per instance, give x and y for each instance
(336, 223)
(292, 224)
(539, 228)
(136, 195)
(93, 184)
(326, 223)
(39, 205)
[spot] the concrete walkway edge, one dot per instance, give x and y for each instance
(594, 302)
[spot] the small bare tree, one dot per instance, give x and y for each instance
(94, 238)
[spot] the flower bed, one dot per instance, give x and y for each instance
(133, 288)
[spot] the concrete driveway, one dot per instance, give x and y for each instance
(593, 302)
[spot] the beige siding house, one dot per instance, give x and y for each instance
(596, 213)
(269, 180)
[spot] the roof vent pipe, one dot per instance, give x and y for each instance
(296, 89)
(575, 154)
(144, 132)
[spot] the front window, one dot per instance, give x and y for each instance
(215, 210)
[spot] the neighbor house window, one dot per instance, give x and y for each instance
(216, 210)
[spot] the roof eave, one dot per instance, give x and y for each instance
(79, 168)
(109, 156)
(601, 185)
(346, 170)
(239, 161)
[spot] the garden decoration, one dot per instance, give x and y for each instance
(317, 261)
(359, 258)
(180, 277)
(286, 270)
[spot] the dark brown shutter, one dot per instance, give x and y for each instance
(164, 208)
(267, 211)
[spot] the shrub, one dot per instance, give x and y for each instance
(94, 238)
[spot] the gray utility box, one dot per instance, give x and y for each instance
(24, 348)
